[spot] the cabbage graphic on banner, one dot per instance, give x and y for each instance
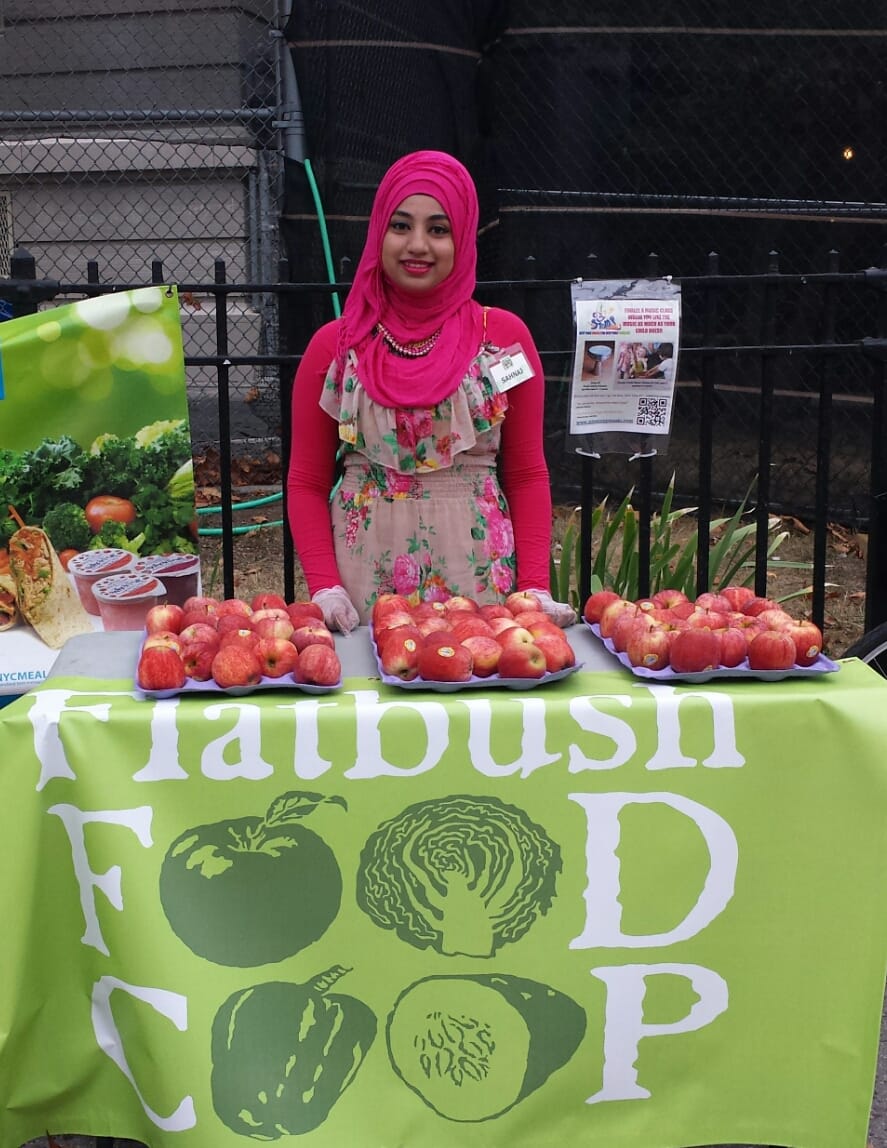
(96, 473)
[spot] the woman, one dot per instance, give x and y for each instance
(443, 484)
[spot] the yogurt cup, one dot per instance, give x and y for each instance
(88, 567)
(179, 573)
(125, 599)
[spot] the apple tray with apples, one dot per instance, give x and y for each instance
(458, 644)
(731, 633)
(235, 647)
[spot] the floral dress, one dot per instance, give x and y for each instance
(418, 509)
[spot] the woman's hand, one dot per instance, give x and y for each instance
(338, 609)
(560, 613)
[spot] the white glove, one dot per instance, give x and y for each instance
(560, 613)
(338, 609)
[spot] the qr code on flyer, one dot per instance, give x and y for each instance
(652, 412)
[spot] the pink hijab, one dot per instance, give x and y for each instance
(389, 379)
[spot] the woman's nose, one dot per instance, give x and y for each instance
(418, 240)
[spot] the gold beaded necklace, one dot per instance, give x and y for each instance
(414, 350)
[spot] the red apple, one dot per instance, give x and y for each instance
(236, 665)
(521, 661)
(668, 597)
(491, 610)
(485, 653)
(460, 603)
(318, 666)
(389, 600)
(466, 624)
(624, 626)
(264, 601)
(312, 634)
(245, 638)
(755, 606)
(649, 648)
(710, 600)
(428, 610)
(399, 656)
(163, 638)
(515, 636)
(807, 638)
(446, 661)
(233, 606)
(200, 604)
(196, 618)
(392, 619)
(165, 617)
(160, 668)
(276, 656)
(737, 596)
(199, 632)
(734, 646)
(522, 600)
(546, 627)
(433, 623)
(274, 627)
(771, 650)
(398, 636)
(298, 611)
(197, 658)
(693, 651)
(596, 603)
(556, 650)
(500, 625)
(269, 612)
(611, 612)
(235, 621)
(777, 619)
(703, 619)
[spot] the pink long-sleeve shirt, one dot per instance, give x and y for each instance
(523, 472)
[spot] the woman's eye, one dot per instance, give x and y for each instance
(397, 225)
(440, 229)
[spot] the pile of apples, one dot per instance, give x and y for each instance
(232, 642)
(457, 639)
(724, 629)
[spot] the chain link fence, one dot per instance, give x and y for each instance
(256, 131)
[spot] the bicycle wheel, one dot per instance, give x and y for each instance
(871, 648)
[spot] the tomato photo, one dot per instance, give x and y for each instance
(105, 507)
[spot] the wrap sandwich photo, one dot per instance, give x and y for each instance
(8, 607)
(43, 591)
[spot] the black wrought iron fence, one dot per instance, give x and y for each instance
(788, 403)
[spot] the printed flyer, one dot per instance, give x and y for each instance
(96, 473)
(625, 364)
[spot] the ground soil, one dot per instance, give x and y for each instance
(258, 563)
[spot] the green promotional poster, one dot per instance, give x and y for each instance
(96, 476)
(601, 913)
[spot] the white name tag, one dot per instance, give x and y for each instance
(508, 368)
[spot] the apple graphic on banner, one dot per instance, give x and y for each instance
(521, 661)
(277, 656)
(312, 634)
(318, 666)
(160, 668)
(692, 651)
(166, 617)
(264, 601)
(807, 638)
(485, 653)
(771, 650)
(236, 665)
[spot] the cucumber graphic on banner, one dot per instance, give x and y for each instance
(96, 475)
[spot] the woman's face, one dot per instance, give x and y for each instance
(418, 249)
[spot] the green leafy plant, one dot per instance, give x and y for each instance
(673, 562)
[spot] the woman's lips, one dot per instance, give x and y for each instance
(412, 268)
